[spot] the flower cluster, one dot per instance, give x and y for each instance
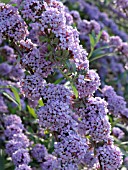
(71, 150)
(90, 160)
(117, 132)
(102, 18)
(87, 85)
(116, 104)
(56, 116)
(69, 118)
(12, 26)
(110, 157)
(18, 142)
(93, 119)
(39, 152)
(32, 85)
(56, 92)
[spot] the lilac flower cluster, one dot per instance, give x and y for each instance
(90, 160)
(39, 152)
(94, 13)
(116, 104)
(32, 85)
(122, 4)
(50, 163)
(71, 150)
(17, 145)
(46, 160)
(23, 167)
(93, 119)
(56, 115)
(8, 68)
(3, 107)
(54, 16)
(87, 85)
(56, 92)
(116, 64)
(31, 9)
(117, 132)
(110, 157)
(35, 58)
(12, 25)
(87, 27)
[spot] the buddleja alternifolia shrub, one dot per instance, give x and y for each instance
(41, 55)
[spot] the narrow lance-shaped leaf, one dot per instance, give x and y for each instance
(2, 161)
(10, 97)
(16, 94)
(32, 111)
(100, 56)
(98, 36)
(92, 41)
(74, 90)
(41, 103)
(58, 80)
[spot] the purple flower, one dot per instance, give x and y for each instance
(23, 167)
(71, 149)
(3, 107)
(93, 119)
(110, 157)
(21, 156)
(116, 104)
(56, 92)
(21, 138)
(116, 41)
(50, 163)
(12, 119)
(11, 130)
(56, 116)
(32, 86)
(11, 23)
(117, 132)
(5, 69)
(39, 152)
(90, 160)
(13, 146)
(31, 9)
(87, 85)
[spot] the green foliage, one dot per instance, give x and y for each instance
(32, 112)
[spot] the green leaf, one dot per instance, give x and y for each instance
(92, 41)
(49, 47)
(73, 66)
(59, 80)
(98, 36)
(96, 53)
(100, 56)
(41, 103)
(98, 50)
(65, 53)
(74, 90)
(16, 94)
(56, 41)
(10, 97)
(68, 64)
(5, 1)
(43, 39)
(2, 162)
(93, 35)
(14, 4)
(32, 111)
